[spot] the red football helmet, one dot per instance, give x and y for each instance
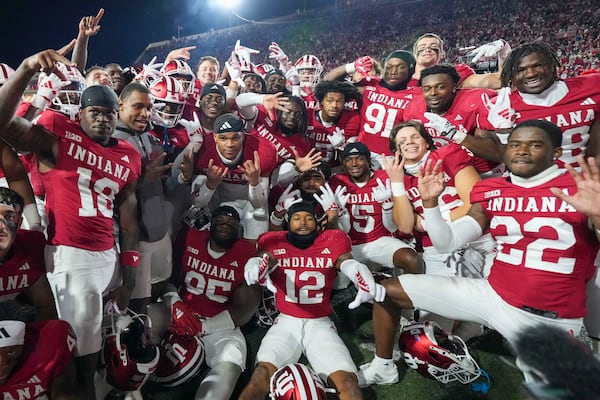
(296, 382)
(436, 354)
(127, 354)
(263, 69)
(181, 359)
(69, 98)
(168, 91)
(5, 73)
(181, 71)
(309, 68)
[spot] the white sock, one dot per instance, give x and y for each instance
(384, 362)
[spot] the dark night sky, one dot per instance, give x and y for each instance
(127, 26)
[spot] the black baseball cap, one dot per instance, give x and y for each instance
(213, 88)
(356, 149)
(99, 95)
(228, 123)
(226, 210)
(322, 169)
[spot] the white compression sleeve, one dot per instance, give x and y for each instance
(447, 237)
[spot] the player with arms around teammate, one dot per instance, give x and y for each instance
(88, 176)
(305, 262)
(540, 217)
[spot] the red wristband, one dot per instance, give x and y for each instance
(130, 258)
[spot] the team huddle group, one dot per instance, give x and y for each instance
(151, 212)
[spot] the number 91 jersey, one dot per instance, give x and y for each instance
(304, 277)
(81, 188)
(208, 282)
(545, 248)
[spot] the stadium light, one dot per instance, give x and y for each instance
(230, 4)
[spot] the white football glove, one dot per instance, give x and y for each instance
(489, 50)
(150, 72)
(256, 270)
(341, 197)
(467, 262)
(293, 77)
(155, 118)
(383, 194)
(288, 198)
(191, 127)
(327, 198)
(337, 138)
(235, 70)
(500, 114)
(277, 53)
(48, 89)
(443, 127)
(367, 290)
(243, 52)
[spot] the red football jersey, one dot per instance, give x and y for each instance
(310, 101)
(454, 159)
(25, 265)
(304, 277)
(545, 248)
(366, 221)
(267, 130)
(381, 109)
(49, 348)
(209, 283)
(81, 188)
(349, 122)
(464, 113)
(574, 112)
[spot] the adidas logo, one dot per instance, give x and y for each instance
(354, 150)
(234, 264)
(24, 267)
(136, 258)
(125, 158)
(214, 87)
(225, 125)
(408, 96)
(34, 379)
(458, 117)
(325, 251)
(588, 102)
(71, 342)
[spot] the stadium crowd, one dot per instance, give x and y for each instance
(150, 212)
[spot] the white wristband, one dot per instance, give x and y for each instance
(350, 68)
(275, 220)
(398, 189)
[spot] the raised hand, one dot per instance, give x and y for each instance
(292, 76)
(364, 65)
(383, 194)
(337, 138)
(394, 168)
(287, 199)
(341, 197)
(277, 53)
(251, 170)
(48, 88)
(214, 175)
(182, 52)
(443, 127)
(327, 198)
(367, 290)
(498, 48)
(156, 169)
(235, 70)
(309, 161)
(500, 113)
(243, 52)
(89, 26)
(588, 189)
(191, 127)
(431, 180)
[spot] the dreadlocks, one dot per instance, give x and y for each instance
(511, 65)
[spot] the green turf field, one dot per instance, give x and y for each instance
(355, 327)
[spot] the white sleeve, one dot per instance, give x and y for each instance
(247, 103)
(387, 217)
(344, 221)
(202, 194)
(285, 173)
(257, 195)
(447, 237)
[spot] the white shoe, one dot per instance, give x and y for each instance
(374, 374)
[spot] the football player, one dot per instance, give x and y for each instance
(36, 358)
(383, 99)
(213, 300)
(304, 262)
(540, 217)
(368, 213)
(87, 176)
